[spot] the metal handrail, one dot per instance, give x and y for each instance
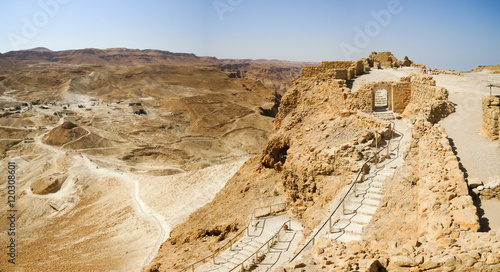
(213, 255)
(270, 209)
(342, 200)
(287, 223)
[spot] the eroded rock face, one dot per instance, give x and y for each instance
(427, 220)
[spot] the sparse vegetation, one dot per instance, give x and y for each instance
(9, 146)
(7, 113)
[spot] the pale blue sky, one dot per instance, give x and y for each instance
(453, 34)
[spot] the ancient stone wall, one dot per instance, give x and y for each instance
(399, 94)
(319, 140)
(486, 189)
(383, 60)
(428, 100)
(426, 222)
(491, 113)
(334, 69)
(441, 182)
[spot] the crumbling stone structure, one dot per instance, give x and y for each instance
(491, 112)
(385, 60)
(428, 100)
(412, 95)
(398, 94)
(345, 70)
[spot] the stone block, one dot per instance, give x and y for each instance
(474, 182)
(403, 261)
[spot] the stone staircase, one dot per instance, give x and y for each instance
(257, 240)
(357, 202)
(386, 115)
(361, 204)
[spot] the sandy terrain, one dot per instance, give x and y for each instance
(102, 187)
(479, 157)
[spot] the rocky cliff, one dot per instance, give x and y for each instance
(426, 222)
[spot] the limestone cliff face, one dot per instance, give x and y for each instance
(426, 221)
(319, 141)
(274, 76)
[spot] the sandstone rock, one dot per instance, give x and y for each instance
(429, 264)
(403, 261)
(466, 218)
(450, 261)
(474, 182)
(491, 259)
(466, 260)
(475, 254)
(383, 261)
(299, 265)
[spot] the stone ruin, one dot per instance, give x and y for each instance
(345, 70)
(491, 113)
(387, 60)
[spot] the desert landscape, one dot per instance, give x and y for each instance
(147, 160)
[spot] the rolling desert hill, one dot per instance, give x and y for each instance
(147, 160)
(97, 181)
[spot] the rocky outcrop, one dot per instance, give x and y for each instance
(277, 77)
(426, 221)
(494, 69)
(470, 253)
(320, 138)
(406, 62)
(486, 189)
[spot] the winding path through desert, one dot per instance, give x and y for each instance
(143, 208)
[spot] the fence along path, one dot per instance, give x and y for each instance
(262, 241)
(358, 201)
(353, 209)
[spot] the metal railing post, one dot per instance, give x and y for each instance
(388, 147)
(192, 268)
(330, 224)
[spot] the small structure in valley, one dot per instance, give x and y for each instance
(137, 108)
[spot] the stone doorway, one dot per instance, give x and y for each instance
(381, 100)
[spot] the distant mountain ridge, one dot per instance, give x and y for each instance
(93, 56)
(275, 74)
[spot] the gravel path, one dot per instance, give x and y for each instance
(479, 156)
